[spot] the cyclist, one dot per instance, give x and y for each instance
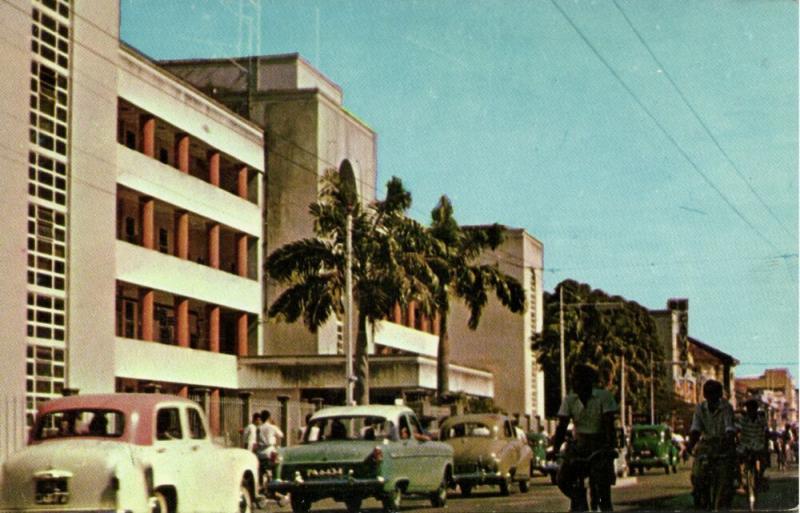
(592, 411)
(713, 428)
(753, 437)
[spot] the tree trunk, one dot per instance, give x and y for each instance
(361, 364)
(443, 359)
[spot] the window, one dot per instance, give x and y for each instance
(168, 424)
(196, 429)
(163, 240)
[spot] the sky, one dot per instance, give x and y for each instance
(650, 145)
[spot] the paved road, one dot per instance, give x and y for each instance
(653, 491)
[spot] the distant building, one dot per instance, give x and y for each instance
(308, 131)
(502, 341)
(688, 362)
(777, 389)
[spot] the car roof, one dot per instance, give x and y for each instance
(373, 410)
(484, 418)
(123, 402)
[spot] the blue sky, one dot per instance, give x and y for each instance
(651, 145)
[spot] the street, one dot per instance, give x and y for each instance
(654, 491)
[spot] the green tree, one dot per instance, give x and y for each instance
(455, 261)
(386, 267)
(599, 329)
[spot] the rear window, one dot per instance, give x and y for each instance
(466, 429)
(80, 423)
(348, 427)
(646, 434)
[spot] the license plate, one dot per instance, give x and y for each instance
(52, 491)
(645, 453)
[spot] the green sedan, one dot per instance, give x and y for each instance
(350, 453)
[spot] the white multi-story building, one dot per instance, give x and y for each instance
(132, 224)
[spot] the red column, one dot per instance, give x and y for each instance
(183, 391)
(436, 324)
(412, 318)
(241, 335)
(213, 246)
(147, 309)
(241, 182)
(213, 168)
(182, 322)
(241, 255)
(424, 323)
(213, 412)
(213, 328)
(148, 127)
(182, 235)
(397, 315)
(147, 210)
(182, 152)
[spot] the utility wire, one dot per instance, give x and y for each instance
(701, 121)
(661, 127)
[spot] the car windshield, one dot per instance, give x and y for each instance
(646, 434)
(80, 423)
(349, 428)
(467, 429)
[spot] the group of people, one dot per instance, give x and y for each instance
(720, 443)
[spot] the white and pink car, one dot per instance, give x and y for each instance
(131, 453)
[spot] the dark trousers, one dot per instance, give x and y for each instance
(575, 468)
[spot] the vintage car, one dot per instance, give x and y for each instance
(350, 453)
(652, 446)
(487, 451)
(133, 453)
(539, 443)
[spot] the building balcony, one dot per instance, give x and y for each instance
(145, 361)
(152, 269)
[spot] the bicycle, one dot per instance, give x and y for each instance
(751, 472)
(712, 480)
(597, 497)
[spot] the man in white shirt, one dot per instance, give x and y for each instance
(250, 433)
(592, 411)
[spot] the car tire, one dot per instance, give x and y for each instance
(245, 500)
(466, 490)
(353, 504)
(504, 488)
(553, 478)
(524, 485)
(439, 497)
(158, 503)
(391, 501)
(300, 504)
(666, 469)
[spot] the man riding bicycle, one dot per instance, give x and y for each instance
(753, 438)
(592, 412)
(713, 427)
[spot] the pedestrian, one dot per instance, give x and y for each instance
(592, 411)
(753, 438)
(714, 432)
(250, 433)
(272, 435)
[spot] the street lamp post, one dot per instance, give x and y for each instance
(562, 357)
(349, 312)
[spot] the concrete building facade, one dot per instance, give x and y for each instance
(133, 223)
(502, 342)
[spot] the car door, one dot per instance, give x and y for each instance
(513, 444)
(202, 460)
(170, 448)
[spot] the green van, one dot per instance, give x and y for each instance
(652, 446)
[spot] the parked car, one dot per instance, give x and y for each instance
(126, 452)
(538, 443)
(350, 453)
(652, 446)
(487, 451)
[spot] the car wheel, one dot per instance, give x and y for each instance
(466, 490)
(666, 469)
(553, 478)
(245, 499)
(353, 504)
(439, 497)
(523, 486)
(300, 504)
(391, 501)
(504, 487)
(158, 503)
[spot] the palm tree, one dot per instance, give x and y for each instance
(454, 261)
(384, 270)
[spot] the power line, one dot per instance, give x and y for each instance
(661, 127)
(701, 121)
